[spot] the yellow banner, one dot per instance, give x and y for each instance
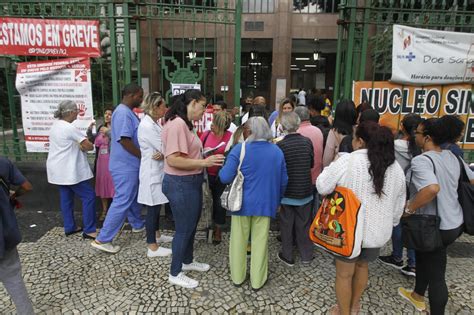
(393, 101)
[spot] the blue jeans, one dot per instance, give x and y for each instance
(152, 223)
(397, 246)
(87, 195)
(124, 205)
(185, 196)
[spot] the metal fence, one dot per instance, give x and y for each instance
(364, 47)
(152, 43)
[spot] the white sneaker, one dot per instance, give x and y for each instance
(138, 230)
(160, 252)
(196, 266)
(164, 239)
(183, 281)
(106, 247)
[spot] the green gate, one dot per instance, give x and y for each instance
(364, 47)
(151, 42)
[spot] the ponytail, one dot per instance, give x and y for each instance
(180, 106)
(380, 151)
(410, 123)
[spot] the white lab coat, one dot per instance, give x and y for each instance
(151, 171)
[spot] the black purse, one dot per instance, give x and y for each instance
(421, 231)
(466, 199)
(9, 230)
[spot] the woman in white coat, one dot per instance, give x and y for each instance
(152, 171)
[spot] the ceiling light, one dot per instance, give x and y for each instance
(191, 54)
(293, 65)
(295, 69)
(303, 70)
(253, 55)
(302, 58)
(310, 66)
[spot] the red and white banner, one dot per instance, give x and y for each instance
(42, 86)
(38, 37)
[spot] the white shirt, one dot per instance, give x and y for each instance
(245, 118)
(151, 171)
(380, 213)
(302, 97)
(66, 163)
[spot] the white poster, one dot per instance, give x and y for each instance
(422, 56)
(180, 88)
(42, 86)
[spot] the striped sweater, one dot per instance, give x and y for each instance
(298, 151)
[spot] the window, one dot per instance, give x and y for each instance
(258, 6)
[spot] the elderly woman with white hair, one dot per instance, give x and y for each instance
(295, 212)
(264, 170)
(67, 167)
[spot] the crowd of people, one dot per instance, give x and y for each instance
(289, 160)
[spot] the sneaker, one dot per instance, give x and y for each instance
(392, 262)
(196, 266)
(307, 262)
(409, 271)
(289, 263)
(183, 281)
(106, 247)
(138, 230)
(406, 294)
(164, 239)
(160, 252)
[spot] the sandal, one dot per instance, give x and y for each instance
(79, 230)
(334, 310)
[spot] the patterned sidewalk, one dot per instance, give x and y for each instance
(65, 275)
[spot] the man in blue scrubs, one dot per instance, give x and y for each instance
(124, 166)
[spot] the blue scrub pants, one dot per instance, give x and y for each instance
(124, 205)
(185, 196)
(87, 195)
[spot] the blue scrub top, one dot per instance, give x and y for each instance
(124, 124)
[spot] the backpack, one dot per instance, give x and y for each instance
(10, 235)
(337, 227)
(466, 199)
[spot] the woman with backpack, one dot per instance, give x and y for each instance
(433, 179)
(371, 173)
(405, 150)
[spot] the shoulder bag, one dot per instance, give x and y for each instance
(421, 231)
(231, 198)
(466, 198)
(9, 230)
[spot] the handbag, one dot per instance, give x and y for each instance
(231, 198)
(466, 199)
(9, 230)
(421, 231)
(339, 223)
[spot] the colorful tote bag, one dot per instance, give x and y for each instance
(337, 227)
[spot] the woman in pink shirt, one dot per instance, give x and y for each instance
(212, 139)
(182, 182)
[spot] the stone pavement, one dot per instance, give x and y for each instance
(66, 275)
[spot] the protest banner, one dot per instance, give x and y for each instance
(42, 86)
(424, 56)
(393, 101)
(46, 37)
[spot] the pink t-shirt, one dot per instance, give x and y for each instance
(210, 140)
(316, 137)
(177, 137)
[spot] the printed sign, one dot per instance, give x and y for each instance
(180, 88)
(43, 37)
(42, 86)
(393, 101)
(423, 56)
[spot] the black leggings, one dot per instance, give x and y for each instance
(431, 270)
